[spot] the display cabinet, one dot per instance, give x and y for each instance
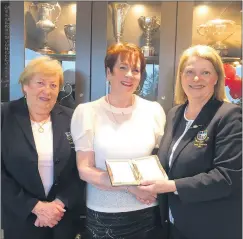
(95, 31)
(218, 24)
(162, 29)
(138, 23)
(50, 29)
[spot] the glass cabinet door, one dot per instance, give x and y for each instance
(156, 33)
(138, 23)
(120, 21)
(219, 25)
(50, 29)
(164, 30)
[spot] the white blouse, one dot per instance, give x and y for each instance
(188, 125)
(44, 147)
(116, 133)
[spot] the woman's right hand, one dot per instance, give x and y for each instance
(48, 213)
(142, 195)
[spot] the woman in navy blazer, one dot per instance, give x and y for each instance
(201, 151)
(41, 189)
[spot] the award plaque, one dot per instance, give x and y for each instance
(132, 171)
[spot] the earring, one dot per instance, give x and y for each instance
(108, 87)
(138, 89)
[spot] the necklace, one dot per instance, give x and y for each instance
(107, 97)
(40, 125)
(41, 129)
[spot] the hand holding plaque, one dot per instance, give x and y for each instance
(132, 171)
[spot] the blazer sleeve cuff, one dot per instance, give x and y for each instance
(64, 200)
(30, 206)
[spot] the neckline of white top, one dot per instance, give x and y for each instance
(188, 120)
(48, 120)
(116, 110)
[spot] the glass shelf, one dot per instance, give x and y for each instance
(230, 59)
(152, 59)
(63, 57)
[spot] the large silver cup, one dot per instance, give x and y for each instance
(70, 32)
(119, 11)
(216, 31)
(45, 23)
(149, 25)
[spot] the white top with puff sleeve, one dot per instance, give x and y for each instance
(124, 134)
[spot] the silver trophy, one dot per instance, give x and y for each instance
(44, 22)
(70, 32)
(216, 31)
(149, 26)
(119, 11)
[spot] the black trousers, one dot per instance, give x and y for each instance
(141, 224)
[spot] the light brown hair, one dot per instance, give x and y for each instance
(42, 65)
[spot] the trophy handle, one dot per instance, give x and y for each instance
(202, 30)
(59, 12)
(31, 6)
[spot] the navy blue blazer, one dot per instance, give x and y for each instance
(207, 169)
(22, 187)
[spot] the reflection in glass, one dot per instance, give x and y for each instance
(149, 89)
(233, 82)
(221, 24)
(216, 31)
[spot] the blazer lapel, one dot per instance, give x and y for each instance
(56, 127)
(21, 113)
(177, 117)
(58, 122)
(200, 123)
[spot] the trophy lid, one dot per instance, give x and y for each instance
(219, 21)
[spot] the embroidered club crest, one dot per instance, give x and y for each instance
(201, 139)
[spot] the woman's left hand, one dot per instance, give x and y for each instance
(158, 186)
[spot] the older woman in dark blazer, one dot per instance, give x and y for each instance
(41, 189)
(202, 153)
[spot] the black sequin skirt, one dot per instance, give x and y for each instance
(140, 224)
